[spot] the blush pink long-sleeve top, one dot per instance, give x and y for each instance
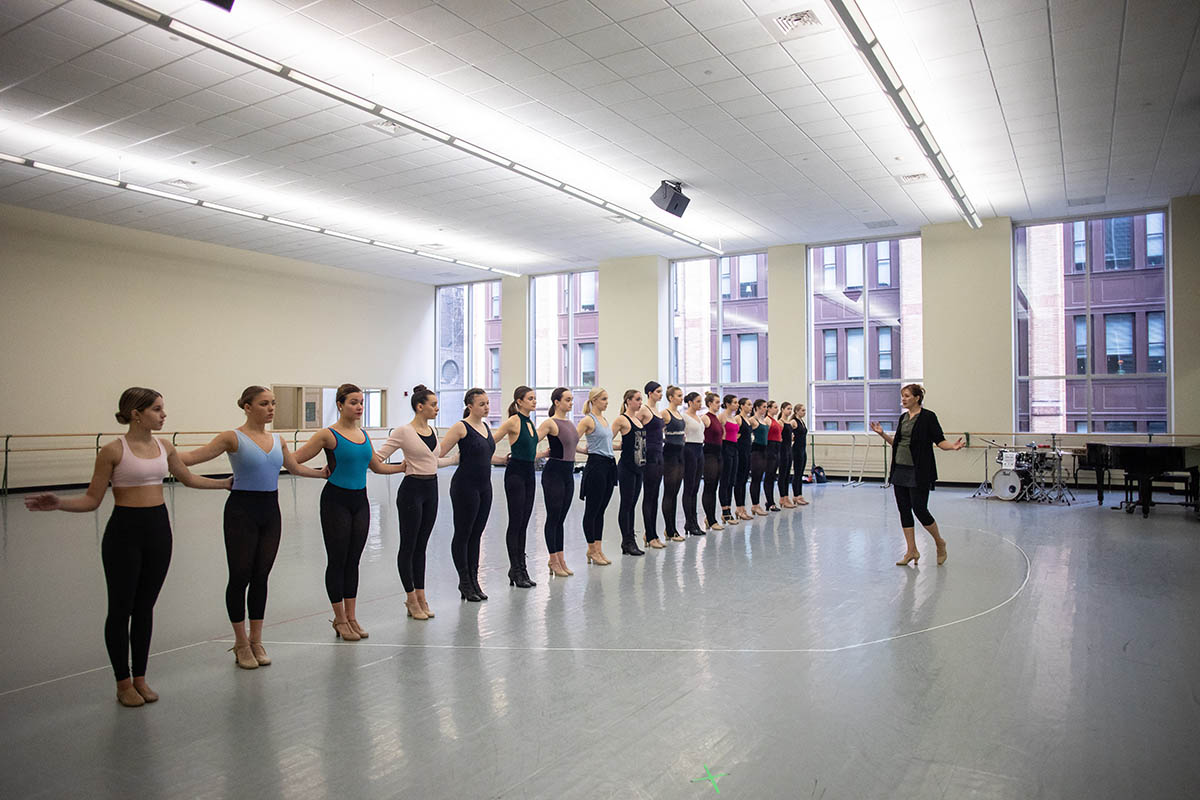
(420, 459)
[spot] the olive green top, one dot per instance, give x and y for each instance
(525, 447)
(903, 443)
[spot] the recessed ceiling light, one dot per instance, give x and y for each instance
(180, 183)
(916, 177)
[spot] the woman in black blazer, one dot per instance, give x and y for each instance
(914, 470)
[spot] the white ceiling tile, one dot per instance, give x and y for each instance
(796, 96)
(571, 17)
(587, 74)
(731, 89)
(341, 17)
(686, 50)
(659, 26)
(482, 12)
(709, 70)
(605, 41)
(683, 99)
(556, 54)
(634, 62)
(616, 92)
(663, 81)
(434, 23)
(467, 80)
(709, 14)
(761, 59)
(390, 39)
(511, 67)
(745, 35)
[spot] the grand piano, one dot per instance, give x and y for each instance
(1143, 463)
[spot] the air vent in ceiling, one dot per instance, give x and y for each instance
(180, 183)
(881, 223)
(618, 219)
(801, 22)
(1086, 201)
(431, 246)
(916, 177)
(390, 128)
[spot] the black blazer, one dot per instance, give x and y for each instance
(926, 433)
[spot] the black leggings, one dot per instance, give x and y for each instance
(558, 488)
(672, 480)
(743, 475)
(471, 502)
(910, 500)
(693, 465)
(800, 457)
(770, 476)
(630, 479)
(729, 472)
(599, 478)
(252, 530)
(519, 489)
(345, 520)
(135, 552)
(785, 470)
(758, 466)
(712, 479)
(416, 507)
(652, 474)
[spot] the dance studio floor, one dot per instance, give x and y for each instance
(1056, 655)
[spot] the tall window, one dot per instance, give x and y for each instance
(564, 334)
(885, 351)
(1081, 337)
(467, 318)
(719, 321)
(1091, 326)
(1154, 240)
(1118, 243)
(875, 317)
(854, 266)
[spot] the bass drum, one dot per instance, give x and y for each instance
(1008, 484)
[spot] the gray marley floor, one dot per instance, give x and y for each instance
(1056, 655)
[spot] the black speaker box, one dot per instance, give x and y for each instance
(670, 199)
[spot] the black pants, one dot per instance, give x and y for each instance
(599, 478)
(252, 530)
(558, 488)
(652, 474)
(729, 471)
(911, 501)
(135, 552)
(785, 470)
(672, 481)
(693, 465)
(758, 466)
(416, 508)
(345, 520)
(471, 502)
(800, 459)
(743, 474)
(772, 472)
(712, 480)
(519, 489)
(629, 477)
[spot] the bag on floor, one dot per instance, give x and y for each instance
(818, 475)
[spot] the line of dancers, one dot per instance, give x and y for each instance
(735, 442)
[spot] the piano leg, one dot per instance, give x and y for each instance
(1100, 485)
(1145, 491)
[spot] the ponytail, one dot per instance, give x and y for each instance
(469, 400)
(518, 394)
(592, 397)
(629, 395)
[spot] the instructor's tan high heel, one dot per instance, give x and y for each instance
(907, 558)
(344, 630)
(941, 554)
(244, 656)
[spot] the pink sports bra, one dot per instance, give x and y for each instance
(136, 471)
(731, 431)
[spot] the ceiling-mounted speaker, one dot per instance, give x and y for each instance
(225, 4)
(670, 198)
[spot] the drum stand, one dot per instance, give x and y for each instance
(985, 486)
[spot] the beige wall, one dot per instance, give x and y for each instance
(966, 278)
(514, 342)
(787, 311)
(1184, 310)
(634, 324)
(88, 309)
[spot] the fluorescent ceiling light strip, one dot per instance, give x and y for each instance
(133, 187)
(623, 211)
(504, 272)
(712, 249)
(685, 238)
(228, 48)
(75, 174)
(875, 57)
(350, 236)
(414, 124)
(537, 176)
(582, 195)
(220, 45)
(329, 89)
(293, 224)
(135, 9)
(231, 210)
(476, 150)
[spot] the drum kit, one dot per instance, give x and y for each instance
(1034, 473)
